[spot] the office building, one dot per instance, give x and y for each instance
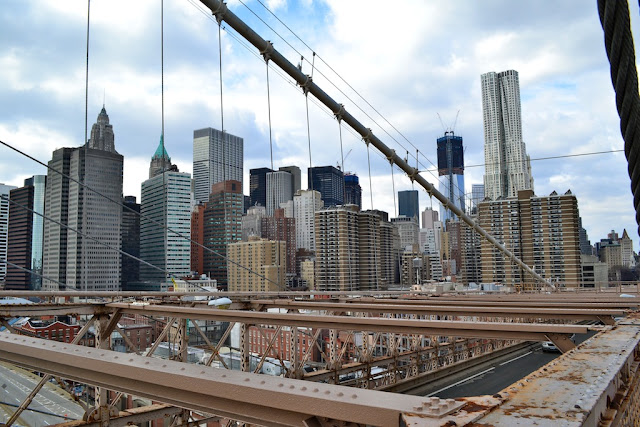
(507, 165)
(260, 256)
(217, 157)
(352, 190)
(165, 203)
(408, 230)
(222, 226)
(279, 185)
(429, 216)
(81, 263)
(408, 204)
(258, 186)
(130, 231)
(296, 178)
(4, 226)
(305, 204)
(197, 239)
(542, 231)
(451, 173)
(25, 238)
(329, 181)
(280, 228)
(477, 195)
(160, 161)
(252, 222)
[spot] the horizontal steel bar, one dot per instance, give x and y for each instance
(397, 307)
(518, 331)
(254, 398)
(36, 310)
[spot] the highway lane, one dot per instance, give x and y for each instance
(494, 377)
(50, 406)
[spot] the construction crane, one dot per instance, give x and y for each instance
(343, 159)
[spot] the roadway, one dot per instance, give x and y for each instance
(50, 406)
(493, 377)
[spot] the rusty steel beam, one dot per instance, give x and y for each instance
(476, 311)
(131, 416)
(629, 303)
(517, 331)
(44, 309)
(259, 399)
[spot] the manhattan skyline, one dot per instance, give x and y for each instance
(567, 98)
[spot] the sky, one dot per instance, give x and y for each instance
(416, 63)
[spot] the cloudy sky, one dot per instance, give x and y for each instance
(410, 60)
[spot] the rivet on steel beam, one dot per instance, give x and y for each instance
(303, 388)
(354, 396)
(280, 385)
(247, 380)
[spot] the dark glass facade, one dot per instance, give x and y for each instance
(329, 181)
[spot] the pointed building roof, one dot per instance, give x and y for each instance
(161, 152)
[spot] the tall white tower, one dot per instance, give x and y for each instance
(507, 165)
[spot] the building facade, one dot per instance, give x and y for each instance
(279, 185)
(258, 186)
(222, 226)
(542, 231)
(217, 156)
(352, 190)
(451, 173)
(197, 238)
(89, 263)
(282, 229)
(165, 204)
(408, 230)
(329, 181)
(262, 256)
(408, 204)
(507, 165)
(305, 204)
(130, 231)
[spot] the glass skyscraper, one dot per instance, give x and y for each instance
(408, 204)
(451, 172)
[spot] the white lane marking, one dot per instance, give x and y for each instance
(461, 381)
(516, 358)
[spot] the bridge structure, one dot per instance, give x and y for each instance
(349, 352)
(395, 342)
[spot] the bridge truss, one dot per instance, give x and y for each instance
(357, 347)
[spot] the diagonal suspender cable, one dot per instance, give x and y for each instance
(33, 272)
(84, 271)
(131, 210)
(618, 41)
(223, 13)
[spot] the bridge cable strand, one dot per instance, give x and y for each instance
(222, 142)
(42, 276)
(164, 165)
(153, 221)
(85, 273)
(618, 40)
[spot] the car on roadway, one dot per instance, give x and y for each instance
(549, 346)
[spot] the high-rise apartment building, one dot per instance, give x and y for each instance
(260, 256)
(217, 157)
(279, 185)
(197, 238)
(78, 262)
(451, 172)
(408, 204)
(222, 226)
(305, 204)
(130, 231)
(507, 165)
(329, 181)
(542, 231)
(354, 250)
(352, 190)
(258, 186)
(165, 203)
(280, 228)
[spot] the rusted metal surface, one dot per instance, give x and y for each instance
(518, 331)
(131, 416)
(577, 388)
(398, 307)
(248, 397)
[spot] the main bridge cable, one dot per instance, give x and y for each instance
(303, 80)
(618, 41)
(153, 221)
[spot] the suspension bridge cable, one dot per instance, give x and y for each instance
(27, 270)
(86, 141)
(153, 221)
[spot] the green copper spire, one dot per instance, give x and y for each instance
(161, 153)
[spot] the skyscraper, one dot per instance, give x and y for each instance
(4, 226)
(507, 165)
(25, 234)
(477, 195)
(258, 186)
(222, 225)
(130, 231)
(278, 190)
(217, 157)
(295, 177)
(83, 263)
(165, 202)
(352, 190)
(408, 204)
(329, 181)
(451, 172)
(305, 204)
